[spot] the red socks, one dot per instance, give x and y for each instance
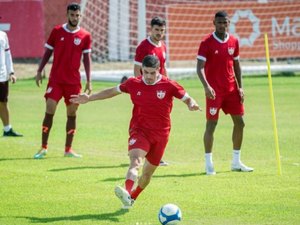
(136, 192)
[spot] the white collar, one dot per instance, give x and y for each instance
(151, 42)
(70, 31)
(158, 79)
(219, 40)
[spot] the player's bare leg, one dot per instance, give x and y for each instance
(208, 144)
(136, 157)
(51, 106)
(237, 139)
(70, 130)
(4, 115)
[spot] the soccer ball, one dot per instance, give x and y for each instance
(169, 214)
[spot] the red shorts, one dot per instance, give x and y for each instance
(4, 91)
(229, 103)
(154, 145)
(57, 91)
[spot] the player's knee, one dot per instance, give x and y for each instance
(211, 126)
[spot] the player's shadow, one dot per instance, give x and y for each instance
(158, 176)
(113, 217)
(89, 167)
(14, 159)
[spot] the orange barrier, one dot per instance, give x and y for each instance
(188, 24)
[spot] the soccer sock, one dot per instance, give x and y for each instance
(70, 129)
(129, 185)
(236, 156)
(47, 124)
(208, 159)
(136, 192)
(7, 128)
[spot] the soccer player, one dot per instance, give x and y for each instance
(153, 45)
(6, 75)
(68, 42)
(219, 70)
(152, 97)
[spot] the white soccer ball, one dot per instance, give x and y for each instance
(169, 214)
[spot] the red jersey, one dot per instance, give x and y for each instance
(147, 47)
(152, 103)
(68, 47)
(218, 56)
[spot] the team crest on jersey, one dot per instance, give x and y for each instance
(230, 50)
(213, 111)
(77, 41)
(160, 94)
(132, 141)
(49, 90)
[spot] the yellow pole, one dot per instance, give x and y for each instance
(272, 105)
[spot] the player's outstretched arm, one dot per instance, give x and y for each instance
(84, 98)
(192, 104)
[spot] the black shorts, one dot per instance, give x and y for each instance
(3, 91)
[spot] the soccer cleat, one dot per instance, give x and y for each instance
(241, 167)
(11, 133)
(72, 154)
(40, 154)
(163, 163)
(124, 196)
(209, 169)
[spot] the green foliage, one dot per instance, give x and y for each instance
(59, 190)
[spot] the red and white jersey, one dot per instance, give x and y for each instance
(218, 56)
(148, 47)
(152, 103)
(68, 47)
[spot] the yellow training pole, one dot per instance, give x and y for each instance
(272, 105)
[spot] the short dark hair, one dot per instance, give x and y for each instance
(150, 61)
(158, 21)
(221, 14)
(74, 6)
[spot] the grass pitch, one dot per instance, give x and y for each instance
(60, 190)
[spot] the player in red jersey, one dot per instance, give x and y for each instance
(152, 96)
(153, 45)
(68, 42)
(219, 70)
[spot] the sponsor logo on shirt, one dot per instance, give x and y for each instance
(213, 111)
(132, 141)
(139, 93)
(230, 50)
(160, 94)
(216, 52)
(77, 41)
(62, 39)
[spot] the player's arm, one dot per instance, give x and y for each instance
(209, 91)
(238, 77)
(104, 94)
(87, 68)
(190, 102)
(45, 59)
(166, 72)
(137, 70)
(9, 64)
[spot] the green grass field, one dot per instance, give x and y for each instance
(60, 190)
